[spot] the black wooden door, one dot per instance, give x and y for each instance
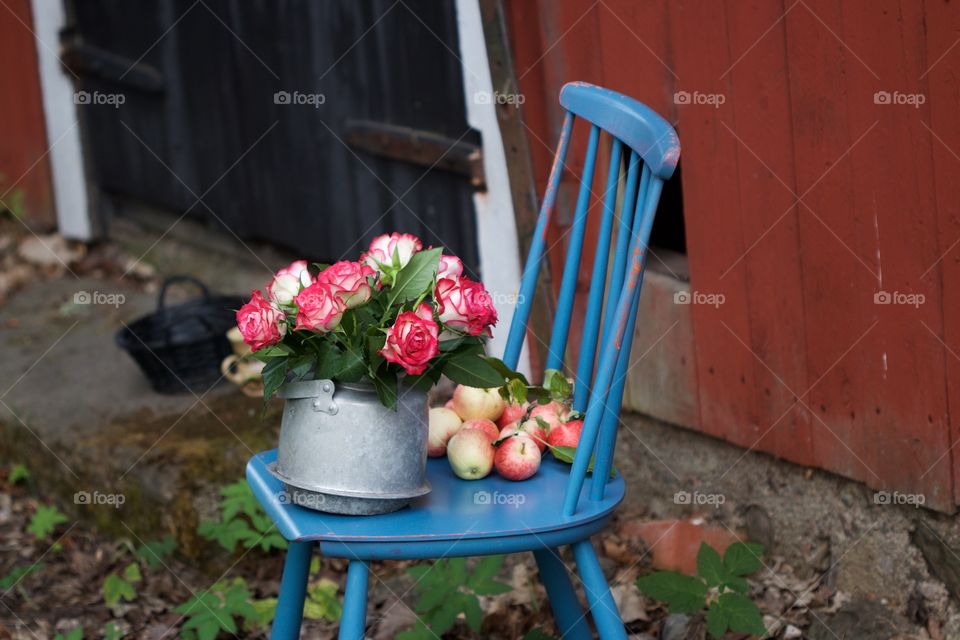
(252, 107)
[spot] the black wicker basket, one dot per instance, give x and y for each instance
(180, 348)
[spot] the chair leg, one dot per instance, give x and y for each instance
(604, 610)
(293, 590)
(354, 620)
(571, 621)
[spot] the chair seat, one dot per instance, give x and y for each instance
(519, 515)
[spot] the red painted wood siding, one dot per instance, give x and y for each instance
(803, 199)
(23, 138)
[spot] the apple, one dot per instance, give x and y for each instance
(486, 426)
(553, 413)
(517, 457)
(566, 435)
(530, 428)
(443, 424)
(470, 403)
(470, 454)
(512, 412)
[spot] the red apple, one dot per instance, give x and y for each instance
(513, 412)
(517, 457)
(470, 403)
(470, 454)
(486, 426)
(530, 428)
(443, 424)
(553, 413)
(566, 435)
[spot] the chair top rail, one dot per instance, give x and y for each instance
(637, 125)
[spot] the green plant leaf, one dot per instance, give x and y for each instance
(717, 623)
(484, 569)
(44, 521)
(470, 606)
(351, 366)
(17, 574)
(74, 634)
(154, 551)
(18, 473)
(742, 615)
(131, 573)
(505, 371)
(415, 279)
(684, 594)
(473, 371)
(112, 632)
(116, 589)
(322, 602)
(385, 382)
(742, 558)
(274, 374)
(710, 566)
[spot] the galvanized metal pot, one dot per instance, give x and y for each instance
(341, 451)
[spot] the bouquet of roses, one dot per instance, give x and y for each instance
(400, 313)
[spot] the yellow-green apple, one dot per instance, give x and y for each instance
(517, 457)
(485, 426)
(470, 454)
(566, 435)
(470, 403)
(512, 412)
(443, 424)
(531, 428)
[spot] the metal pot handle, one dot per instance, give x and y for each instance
(320, 390)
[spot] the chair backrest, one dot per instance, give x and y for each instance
(651, 148)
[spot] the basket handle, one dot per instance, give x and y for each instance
(161, 299)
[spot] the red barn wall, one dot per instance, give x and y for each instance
(23, 138)
(803, 199)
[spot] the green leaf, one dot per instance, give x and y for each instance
(278, 350)
(742, 558)
(322, 602)
(717, 623)
(44, 521)
(352, 367)
(18, 473)
(483, 570)
(131, 573)
(116, 589)
(457, 570)
(74, 634)
(743, 616)
(557, 384)
(416, 278)
(710, 566)
(443, 618)
(472, 371)
(154, 551)
(385, 383)
(506, 371)
(684, 594)
(517, 391)
(274, 374)
(492, 588)
(471, 611)
(17, 574)
(112, 632)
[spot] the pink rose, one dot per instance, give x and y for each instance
(349, 281)
(450, 267)
(391, 252)
(318, 308)
(465, 306)
(261, 323)
(413, 340)
(288, 282)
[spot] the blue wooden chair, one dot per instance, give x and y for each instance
(465, 518)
